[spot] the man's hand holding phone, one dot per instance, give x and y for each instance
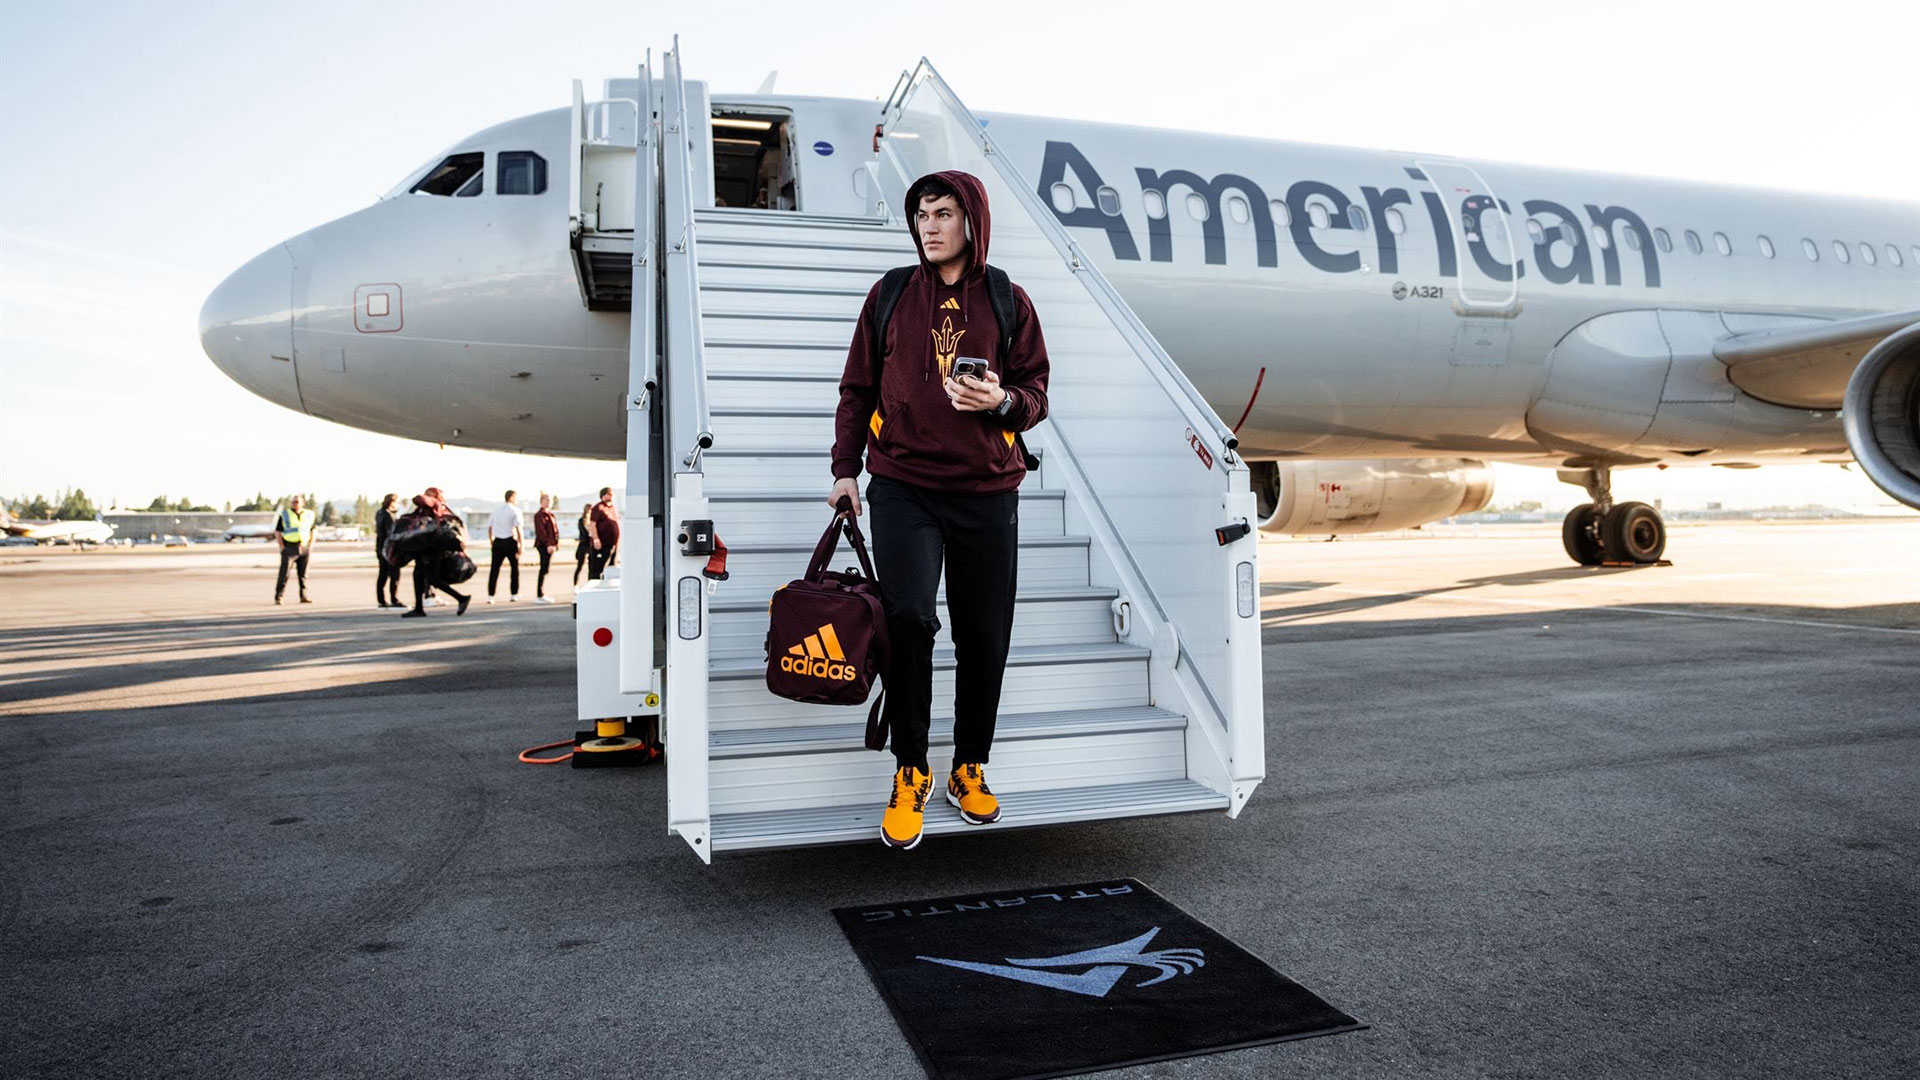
(972, 392)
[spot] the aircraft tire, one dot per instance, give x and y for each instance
(1634, 532)
(1580, 533)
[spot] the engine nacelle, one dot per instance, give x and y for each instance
(1882, 415)
(1343, 498)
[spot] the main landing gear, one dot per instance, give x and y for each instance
(1604, 531)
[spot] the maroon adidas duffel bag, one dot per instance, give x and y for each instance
(827, 638)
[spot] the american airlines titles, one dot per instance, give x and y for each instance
(1576, 263)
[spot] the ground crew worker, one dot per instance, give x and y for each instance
(295, 528)
(947, 467)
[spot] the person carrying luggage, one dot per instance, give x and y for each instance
(431, 535)
(936, 401)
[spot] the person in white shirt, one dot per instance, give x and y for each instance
(504, 529)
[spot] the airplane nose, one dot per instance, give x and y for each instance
(246, 327)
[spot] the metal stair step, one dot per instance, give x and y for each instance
(1033, 656)
(861, 824)
(826, 738)
(1042, 617)
(1088, 677)
(758, 569)
(761, 516)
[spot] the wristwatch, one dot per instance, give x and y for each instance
(1005, 406)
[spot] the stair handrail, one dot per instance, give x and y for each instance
(1199, 413)
(689, 424)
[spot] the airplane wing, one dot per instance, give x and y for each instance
(1807, 366)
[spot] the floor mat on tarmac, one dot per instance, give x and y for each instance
(1035, 983)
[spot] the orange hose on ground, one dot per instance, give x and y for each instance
(546, 760)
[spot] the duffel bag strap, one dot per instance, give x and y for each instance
(877, 727)
(859, 543)
(823, 551)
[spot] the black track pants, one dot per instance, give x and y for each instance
(546, 564)
(914, 530)
(508, 551)
(386, 587)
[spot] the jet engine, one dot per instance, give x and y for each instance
(1882, 415)
(1343, 498)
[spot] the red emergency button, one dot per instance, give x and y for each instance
(603, 637)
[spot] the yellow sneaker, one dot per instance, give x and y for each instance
(967, 789)
(906, 808)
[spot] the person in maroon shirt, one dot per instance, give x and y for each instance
(946, 469)
(546, 541)
(603, 525)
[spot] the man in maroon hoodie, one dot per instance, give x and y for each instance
(946, 476)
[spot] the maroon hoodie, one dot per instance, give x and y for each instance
(894, 407)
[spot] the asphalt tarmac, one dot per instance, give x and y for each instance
(1526, 820)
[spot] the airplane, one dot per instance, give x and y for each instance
(1375, 325)
(56, 532)
(265, 530)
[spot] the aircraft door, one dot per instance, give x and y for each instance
(1484, 258)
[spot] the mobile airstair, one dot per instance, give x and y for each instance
(1133, 687)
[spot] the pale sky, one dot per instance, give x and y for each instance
(148, 150)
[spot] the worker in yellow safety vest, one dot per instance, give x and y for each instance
(295, 527)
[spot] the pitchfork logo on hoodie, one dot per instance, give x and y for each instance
(946, 345)
(819, 656)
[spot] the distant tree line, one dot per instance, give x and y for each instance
(75, 506)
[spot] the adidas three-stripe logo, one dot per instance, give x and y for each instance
(819, 656)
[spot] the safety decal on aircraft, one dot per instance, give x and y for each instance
(1563, 228)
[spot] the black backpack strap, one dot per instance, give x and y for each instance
(891, 286)
(1000, 296)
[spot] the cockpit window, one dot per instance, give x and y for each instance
(522, 172)
(460, 174)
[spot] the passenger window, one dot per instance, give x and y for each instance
(1237, 211)
(1155, 203)
(1812, 249)
(1866, 253)
(1197, 206)
(522, 172)
(1840, 251)
(1721, 243)
(1601, 238)
(458, 175)
(1063, 198)
(1282, 216)
(1568, 235)
(1693, 242)
(1318, 217)
(1893, 254)
(1631, 238)
(1109, 201)
(1916, 254)
(1661, 240)
(1534, 232)
(1396, 222)
(1356, 219)
(1766, 246)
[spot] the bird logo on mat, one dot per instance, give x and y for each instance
(819, 656)
(1109, 963)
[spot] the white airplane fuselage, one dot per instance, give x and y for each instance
(1395, 326)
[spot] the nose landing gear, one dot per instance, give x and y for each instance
(1603, 531)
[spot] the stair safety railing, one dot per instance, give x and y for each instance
(638, 674)
(689, 432)
(1151, 465)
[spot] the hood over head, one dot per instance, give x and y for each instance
(972, 197)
